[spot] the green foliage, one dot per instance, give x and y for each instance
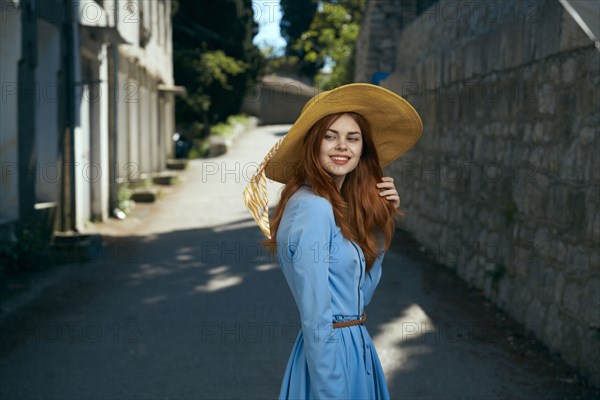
(214, 58)
(201, 147)
(225, 129)
(125, 203)
(210, 68)
(239, 118)
(217, 66)
(275, 64)
(331, 40)
(296, 18)
(221, 129)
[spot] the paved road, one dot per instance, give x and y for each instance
(183, 303)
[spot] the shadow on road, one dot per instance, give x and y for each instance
(206, 313)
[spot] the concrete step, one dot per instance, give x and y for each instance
(177, 164)
(145, 195)
(167, 178)
(71, 247)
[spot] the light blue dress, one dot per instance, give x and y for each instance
(326, 274)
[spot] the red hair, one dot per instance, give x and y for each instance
(357, 207)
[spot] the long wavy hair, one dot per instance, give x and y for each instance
(357, 207)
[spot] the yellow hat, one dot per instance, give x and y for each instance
(395, 126)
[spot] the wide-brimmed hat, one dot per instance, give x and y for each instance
(395, 127)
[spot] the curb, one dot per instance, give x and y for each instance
(220, 145)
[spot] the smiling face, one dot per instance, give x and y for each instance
(341, 148)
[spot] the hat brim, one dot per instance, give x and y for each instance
(395, 124)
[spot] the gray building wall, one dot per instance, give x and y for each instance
(277, 99)
(119, 122)
(504, 186)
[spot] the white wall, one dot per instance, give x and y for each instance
(82, 160)
(155, 58)
(145, 130)
(99, 141)
(122, 123)
(46, 112)
(10, 53)
(133, 119)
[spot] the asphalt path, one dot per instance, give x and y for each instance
(183, 302)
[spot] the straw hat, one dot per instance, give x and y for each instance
(395, 126)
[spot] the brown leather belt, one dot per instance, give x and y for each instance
(343, 324)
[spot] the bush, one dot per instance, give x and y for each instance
(225, 129)
(124, 198)
(199, 149)
(27, 249)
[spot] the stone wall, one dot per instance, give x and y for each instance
(504, 186)
(277, 99)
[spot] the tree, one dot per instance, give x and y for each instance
(296, 18)
(297, 15)
(331, 40)
(214, 57)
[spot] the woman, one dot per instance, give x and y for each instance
(331, 229)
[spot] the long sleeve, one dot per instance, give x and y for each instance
(372, 279)
(374, 275)
(306, 269)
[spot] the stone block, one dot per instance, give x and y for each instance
(543, 243)
(586, 98)
(577, 260)
(591, 361)
(505, 288)
(571, 298)
(535, 278)
(535, 315)
(522, 297)
(590, 303)
(577, 210)
(568, 70)
(177, 164)
(145, 195)
(546, 99)
(559, 252)
(217, 146)
(588, 134)
(557, 205)
(593, 164)
(559, 288)
(552, 160)
(548, 284)
(553, 328)
(519, 265)
(166, 178)
(572, 341)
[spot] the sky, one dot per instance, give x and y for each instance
(268, 14)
